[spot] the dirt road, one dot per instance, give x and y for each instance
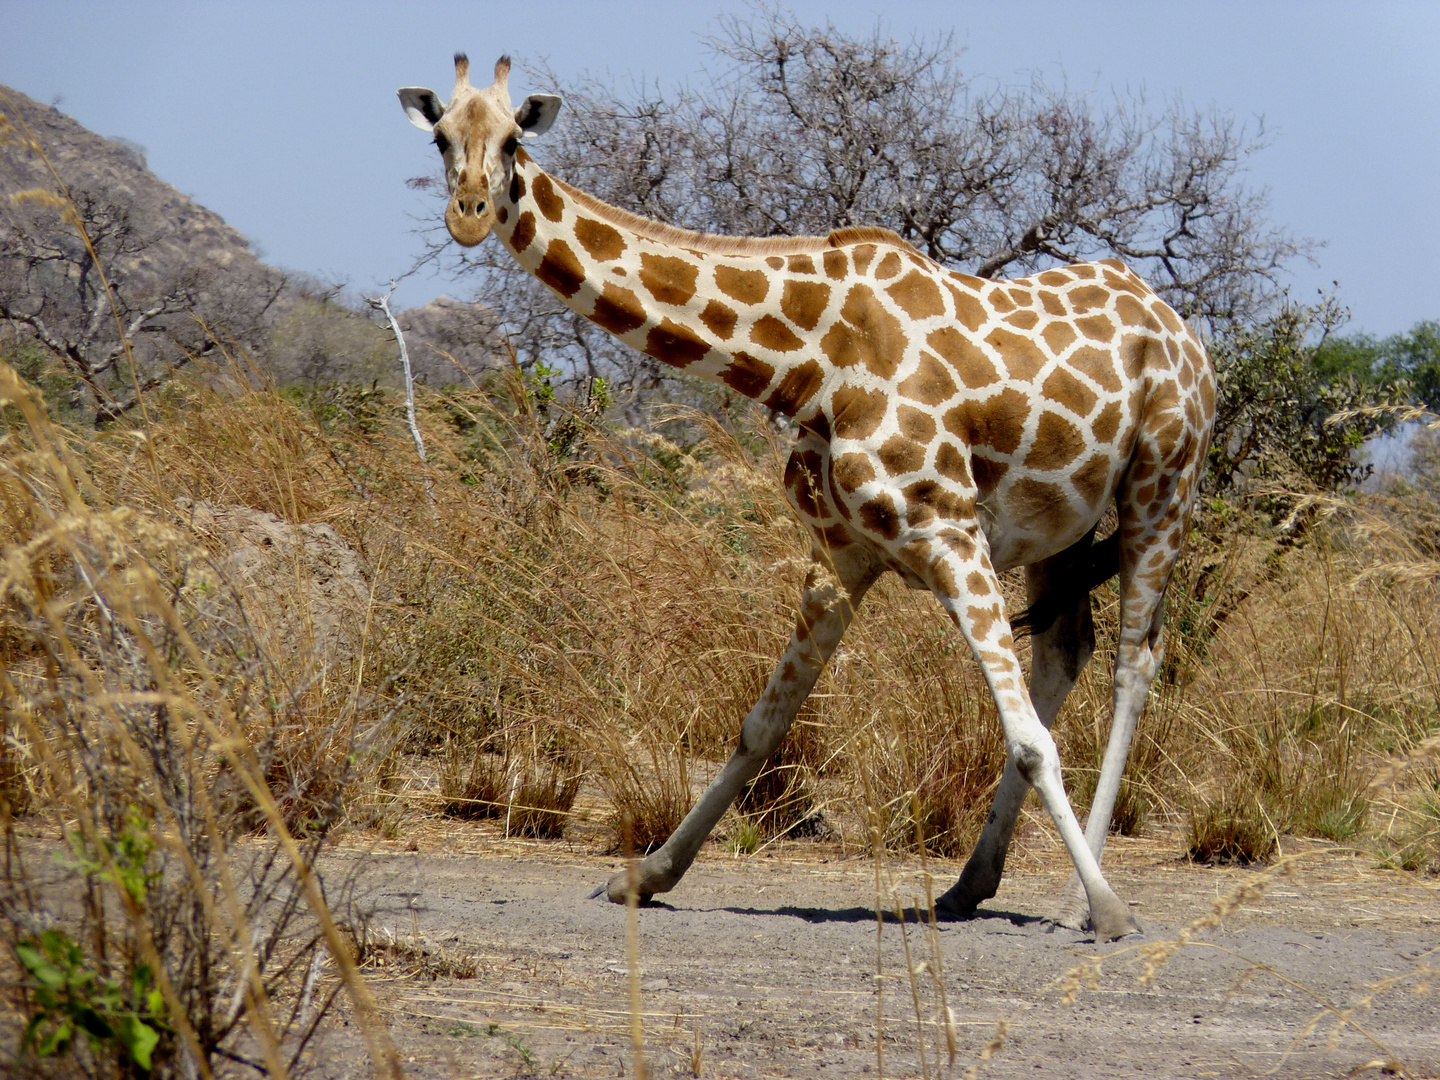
(767, 966)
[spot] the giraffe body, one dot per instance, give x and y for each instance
(951, 428)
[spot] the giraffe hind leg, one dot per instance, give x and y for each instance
(1150, 539)
(828, 606)
(1062, 641)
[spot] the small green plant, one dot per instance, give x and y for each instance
(745, 838)
(69, 997)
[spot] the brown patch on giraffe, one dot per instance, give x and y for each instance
(775, 262)
(862, 254)
(938, 499)
(1083, 270)
(1021, 297)
(1134, 314)
(747, 375)
(834, 537)
(972, 365)
(982, 621)
(673, 344)
(1058, 336)
(889, 266)
(804, 302)
(1023, 320)
(560, 269)
(801, 264)
(1207, 394)
(915, 555)
(950, 463)
(857, 412)
(899, 455)
(879, 515)
(719, 319)
(1063, 388)
(1193, 354)
(918, 295)
(502, 214)
(1097, 328)
(988, 472)
(1092, 480)
(770, 333)
(522, 158)
(851, 472)
(1088, 298)
(546, 198)
(517, 186)
(1057, 443)
(1097, 365)
(968, 308)
(915, 424)
(746, 286)
(818, 425)
(601, 240)
(961, 543)
(1000, 301)
(524, 234)
(1132, 355)
(1166, 314)
(835, 264)
(1122, 279)
(1054, 278)
(1038, 506)
(930, 383)
(866, 333)
(942, 578)
(1052, 303)
(618, 310)
(997, 421)
(1022, 358)
(668, 279)
(796, 389)
(802, 478)
(977, 584)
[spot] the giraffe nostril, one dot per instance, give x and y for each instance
(480, 207)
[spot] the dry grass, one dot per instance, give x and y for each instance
(609, 604)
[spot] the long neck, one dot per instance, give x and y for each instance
(747, 313)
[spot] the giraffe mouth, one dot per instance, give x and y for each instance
(470, 216)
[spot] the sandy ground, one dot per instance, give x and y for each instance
(766, 967)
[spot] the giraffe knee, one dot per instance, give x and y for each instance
(1035, 756)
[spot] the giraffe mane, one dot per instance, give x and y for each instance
(712, 244)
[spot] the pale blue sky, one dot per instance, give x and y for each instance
(282, 117)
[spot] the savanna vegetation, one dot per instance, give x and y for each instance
(241, 613)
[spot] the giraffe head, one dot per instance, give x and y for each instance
(477, 134)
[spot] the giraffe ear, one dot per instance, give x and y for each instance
(537, 112)
(421, 106)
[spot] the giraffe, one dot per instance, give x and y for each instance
(949, 428)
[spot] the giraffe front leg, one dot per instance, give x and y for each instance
(1060, 650)
(966, 583)
(832, 594)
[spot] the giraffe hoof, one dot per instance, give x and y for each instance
(617, 890)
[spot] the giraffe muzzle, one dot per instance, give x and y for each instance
(470, 216)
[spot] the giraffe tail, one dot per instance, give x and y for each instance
(1104, 563)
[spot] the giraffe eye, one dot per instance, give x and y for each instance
(442, 143)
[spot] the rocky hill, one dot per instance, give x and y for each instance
(188, 233)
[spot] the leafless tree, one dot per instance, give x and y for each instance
(79, 277)
(810, 130)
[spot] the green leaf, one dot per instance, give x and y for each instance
(140, 1038)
